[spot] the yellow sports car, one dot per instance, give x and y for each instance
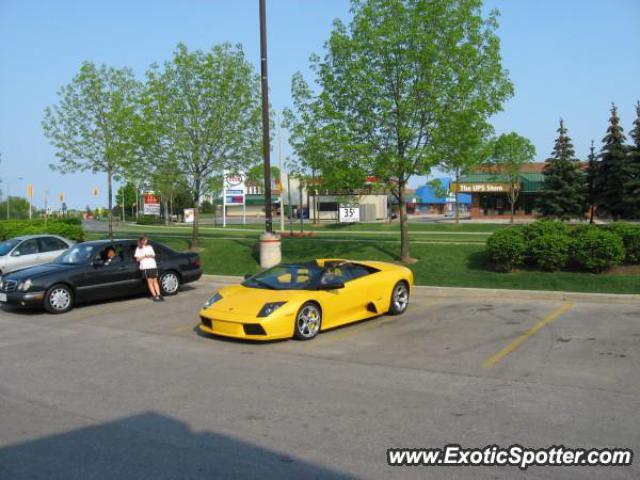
(301, 299)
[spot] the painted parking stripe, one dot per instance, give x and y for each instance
(494, 359)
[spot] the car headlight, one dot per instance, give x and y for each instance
(269, 308)
(215, 298)
(24, 286)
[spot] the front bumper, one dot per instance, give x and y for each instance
(23, 299)
(248, 329)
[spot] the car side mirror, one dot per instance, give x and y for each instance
(16, 253)
(333, 284)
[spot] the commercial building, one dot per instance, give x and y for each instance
(489, 192)
(427, 201)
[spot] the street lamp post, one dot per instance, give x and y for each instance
(9, 197)
(270, 252)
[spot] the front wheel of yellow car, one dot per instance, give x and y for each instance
(308, 321)
(399, 298)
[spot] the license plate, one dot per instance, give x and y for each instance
(3, 297)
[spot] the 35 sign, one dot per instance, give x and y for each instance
(349, 214)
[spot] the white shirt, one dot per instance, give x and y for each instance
(146, 256)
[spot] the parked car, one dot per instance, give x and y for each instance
(83, 274)
(301, 299)
(29, 250)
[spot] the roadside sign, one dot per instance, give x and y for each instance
(349, 214)
(150, 204)
(188, 215)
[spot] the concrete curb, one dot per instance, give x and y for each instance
(459, 292)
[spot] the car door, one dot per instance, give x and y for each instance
(50, 248)
(116, 278)
(351, 303)
(26, 254)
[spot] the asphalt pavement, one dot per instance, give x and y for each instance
(130, 390)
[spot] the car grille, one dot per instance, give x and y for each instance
(8, 285)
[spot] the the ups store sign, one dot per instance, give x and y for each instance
(480, 187)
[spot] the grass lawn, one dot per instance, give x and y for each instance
(455, 265)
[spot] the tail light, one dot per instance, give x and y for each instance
(196, 261)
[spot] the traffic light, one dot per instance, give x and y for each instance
(96, 192)
(29, 190)
(62, 197)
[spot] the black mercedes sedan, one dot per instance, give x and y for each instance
(84, 273)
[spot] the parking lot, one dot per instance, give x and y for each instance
(129, 389)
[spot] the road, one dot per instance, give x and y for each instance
(130, 390)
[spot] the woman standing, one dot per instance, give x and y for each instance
(146, 256)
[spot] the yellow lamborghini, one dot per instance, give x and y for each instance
(301, 299)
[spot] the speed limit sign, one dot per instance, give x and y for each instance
(349, 214)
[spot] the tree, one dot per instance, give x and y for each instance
(201, 110)
(400, 71)
(632, 186)
(18, 207)
(614, 170)
(510, 153)
(91, 124)
(564, 192)
(592, 177)
(126, 196)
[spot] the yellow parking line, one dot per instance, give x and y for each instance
(494, 359)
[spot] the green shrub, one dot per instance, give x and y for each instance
(630, 236)
(551, 251)
(69, 229)
(544, 227)
(597, 249)
(505, 249)
(148, 220)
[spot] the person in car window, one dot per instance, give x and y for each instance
(146, 257)
(110, 256)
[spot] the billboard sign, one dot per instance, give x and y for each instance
(150, 204)
(234, 189)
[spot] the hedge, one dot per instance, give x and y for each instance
(551, 251)
(630, 236)
(506, 249)
(552, 245)
(598, 249)
(70, 228)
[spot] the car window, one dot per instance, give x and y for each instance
(117, 257)
(356, 271)
(51, 244)
(28, 247)
(161, 251)
(7, 246)
(285, 277)
(76, 255)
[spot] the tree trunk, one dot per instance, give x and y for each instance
(457, 204)
(109, 188)
(512, 201)
(196, 216)
(404, 225)
(166, 211)
(301, 207)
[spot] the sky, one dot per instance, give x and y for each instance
(568, 59)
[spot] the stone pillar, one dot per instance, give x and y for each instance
(270, 250)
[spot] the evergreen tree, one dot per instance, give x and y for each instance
(592, 176)
(632, 186)
(613, 172)
(564, 194)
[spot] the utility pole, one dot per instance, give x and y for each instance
(270, 247)
(266, 148)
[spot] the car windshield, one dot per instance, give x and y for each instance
(299, 276)
(7, 246)
(76, 255)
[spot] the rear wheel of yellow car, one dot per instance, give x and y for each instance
(399, 298)
(308, 321)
